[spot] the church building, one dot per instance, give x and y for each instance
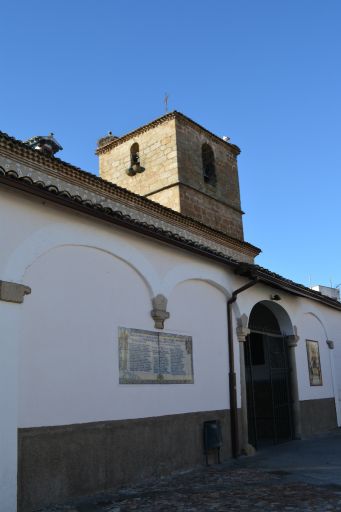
(134, 318)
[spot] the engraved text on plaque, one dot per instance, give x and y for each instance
(148, 357)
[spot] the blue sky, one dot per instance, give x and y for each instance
(264, 72)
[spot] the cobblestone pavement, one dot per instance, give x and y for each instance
(248, 484)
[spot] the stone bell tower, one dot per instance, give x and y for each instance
(181, 165)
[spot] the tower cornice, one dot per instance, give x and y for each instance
(235, 150)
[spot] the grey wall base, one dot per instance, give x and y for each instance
(317, 416)
(58, 463)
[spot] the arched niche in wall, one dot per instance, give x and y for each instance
(313, 326)
(198, 308)
(59, 235)
(279, 314)
(135, 163)
(69, 352)
(134, 153)
(208, 164)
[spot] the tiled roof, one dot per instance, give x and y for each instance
(51, 192)
(277, 281)
(101, 186)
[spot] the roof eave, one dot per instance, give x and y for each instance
(247, 270)
(171, 115)
(251, 272)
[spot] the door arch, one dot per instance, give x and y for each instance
(268, 375)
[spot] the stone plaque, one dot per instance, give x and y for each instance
(148, 357)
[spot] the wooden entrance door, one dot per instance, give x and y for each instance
(269, 402)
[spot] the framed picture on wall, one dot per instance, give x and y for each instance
(314, 363)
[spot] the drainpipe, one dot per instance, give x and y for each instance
(232, 373)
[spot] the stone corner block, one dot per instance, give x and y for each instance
(13, 292)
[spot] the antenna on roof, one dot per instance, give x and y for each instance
(166, 102)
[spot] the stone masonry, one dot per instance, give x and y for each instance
(158, 155)
(170, 152)
(216, 205)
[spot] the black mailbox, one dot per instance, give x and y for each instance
(212, 437)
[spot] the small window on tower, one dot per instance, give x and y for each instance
(135, 154)
(135, 164)
(208, 164)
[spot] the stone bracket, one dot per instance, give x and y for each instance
(330, 344)
(13, 292)
(292, 340)
(159, 313)
(242, 328)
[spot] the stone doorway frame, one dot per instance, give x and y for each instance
(289, 332)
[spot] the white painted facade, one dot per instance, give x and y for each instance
(59, 349)
(89, 279)
(313, 321)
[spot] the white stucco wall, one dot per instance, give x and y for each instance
(87, 279)
(68, 369)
